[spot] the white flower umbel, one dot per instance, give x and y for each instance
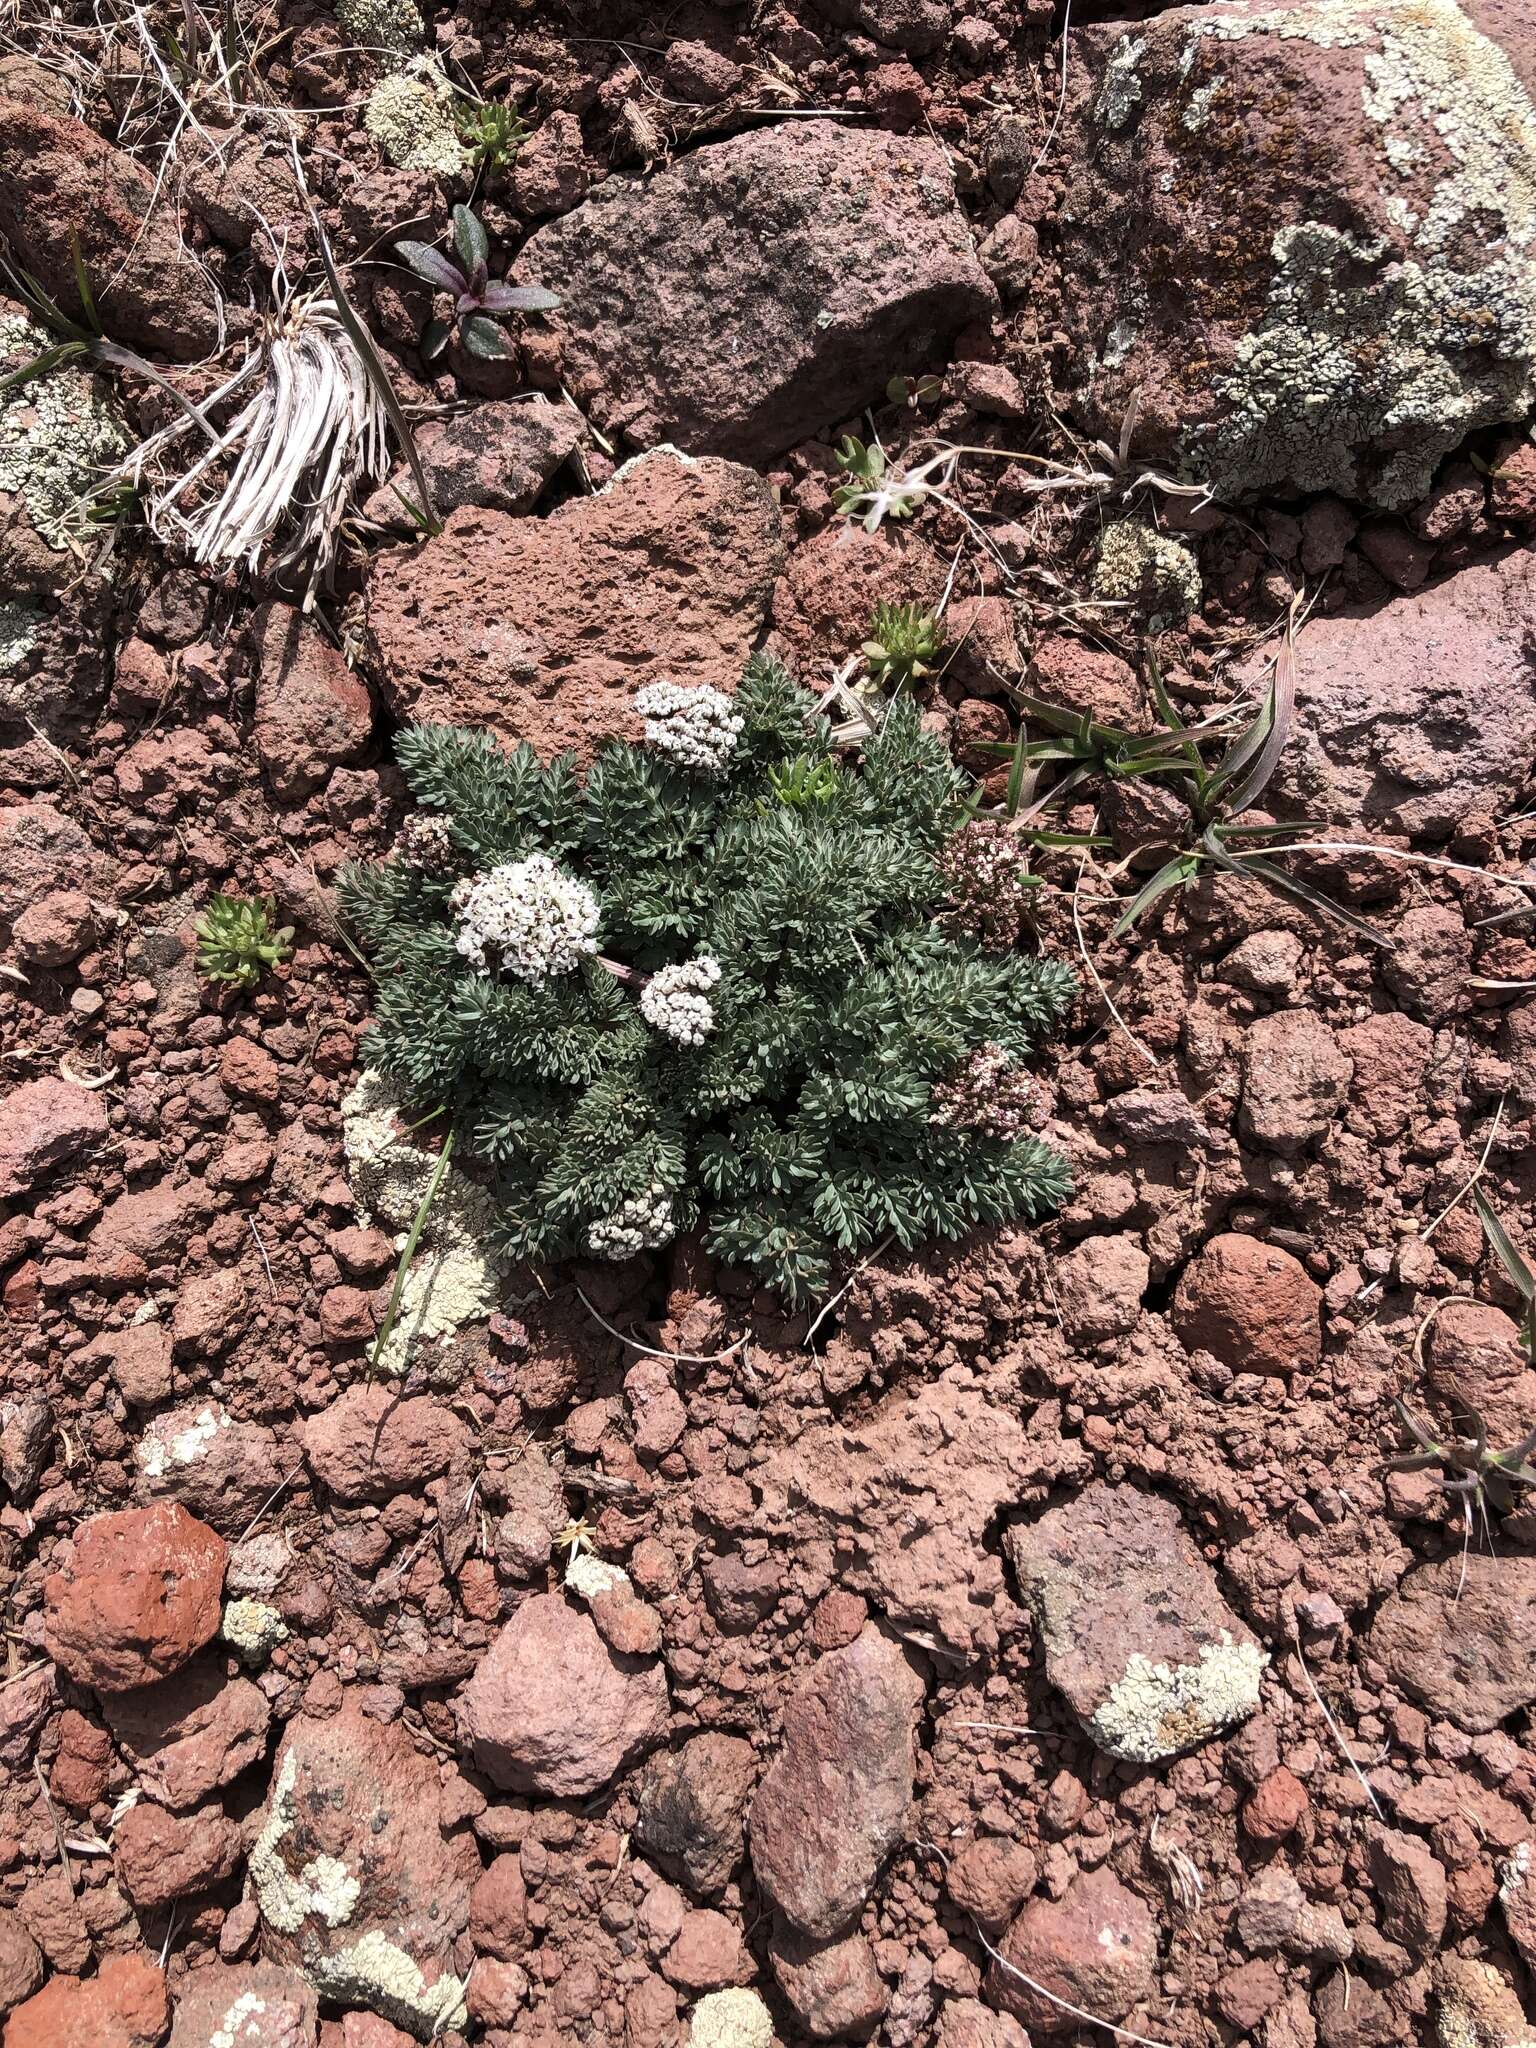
(696, 726)
(641, 1224)
(673, 1000)
(537, 920)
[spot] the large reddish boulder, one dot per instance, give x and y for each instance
(356, 1880)
(1251, 1305)
(162, 1856)
(499, 455)
(62, 184)
(834, 1988)
(138, 1597)
(762, 288)
(543, 629)
(1137, 1635)
(1094, 1948)
(42, 1125)
(551, 1708)
(1479, 1366)
(371, 1444)
(123, 2006)
(834, 1800)
(1267, 255)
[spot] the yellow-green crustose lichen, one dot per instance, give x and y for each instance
(1155, 1711)
(1139, 566)
(1378, 353)
(58, 438)
(410, 116)
(387, 29)
(454, 1278)
(252, 1629)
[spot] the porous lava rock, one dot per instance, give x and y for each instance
(1136, 1633)
(499, 455)
(1250, 1304)
(1413, 714)
(372, 1442)
(139, 1596)
(313, 713)
(762, 287)
(191, 1734)
(692, 1809)
(123, 2006)
(912, 1492)
(63, 186)
(358, 1885)
(544, 629)
(1294, 1080)
(1095, 1948)
(43, 1124)
(163, 1856)
(833, 1802)
(1466, 1648)
(833, 1987)
(1269, 240)
(244, 2005)
(552, 1709)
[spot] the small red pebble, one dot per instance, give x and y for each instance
(838, 1619)
(346, 1316)
(1276, 1807)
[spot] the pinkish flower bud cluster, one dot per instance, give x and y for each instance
(988, 1095)
(987, 886)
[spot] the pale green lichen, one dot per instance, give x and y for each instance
(1373, 360)
(252, 1629)
(179, 1438)
(388, 29)
(455, 1278)
(20, 624)
(323, 1890)
(589, 1577)
(1477, 2009)
(241, 2026)
(377, 1973)
(730, 2019)
(1120, 94)
(1155, 1711)
(410, 116)
(1139, 566)
(58, 437)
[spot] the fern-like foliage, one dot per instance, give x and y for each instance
(798, 1131)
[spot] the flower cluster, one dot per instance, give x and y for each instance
(425, 842)
(987, 885)
(537, 919)
(641, 1224)
(988, 1095)
(698, 727)
(673, 1000)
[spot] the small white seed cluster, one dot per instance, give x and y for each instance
(537, 919)
(640, 1224)
(697, 726)
(673, 1000)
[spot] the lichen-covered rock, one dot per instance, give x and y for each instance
(731, 2019)
(219, 1469)
(249, 2005)
(762, 287)
(1465, 1647)
(455, 1277)
(410, 116)
(1151, 572)
(356, 1882)
(1476, 2007)
(58, 433)
(544, 629)
(1302, 235)
(834, 1800)
(1137, 1636)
